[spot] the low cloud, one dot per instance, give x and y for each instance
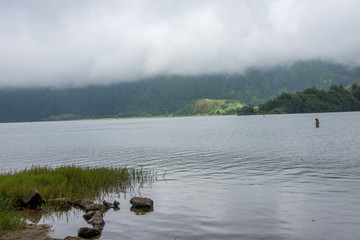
(75, 43)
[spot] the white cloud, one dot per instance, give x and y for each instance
(46, 43)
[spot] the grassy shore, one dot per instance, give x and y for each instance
(69, 182)
(9, 219)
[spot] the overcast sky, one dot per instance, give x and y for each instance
(78, 42)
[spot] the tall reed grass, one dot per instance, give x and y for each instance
(8, 218)
(71, 181)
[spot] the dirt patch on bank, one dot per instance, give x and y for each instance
(32, 231)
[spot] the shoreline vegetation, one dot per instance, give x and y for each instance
(67, 182)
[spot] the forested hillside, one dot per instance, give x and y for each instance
(169, 94)
(311, 100)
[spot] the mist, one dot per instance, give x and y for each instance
(82, 42)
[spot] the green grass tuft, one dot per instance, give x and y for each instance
(70, 182)
(9, 220)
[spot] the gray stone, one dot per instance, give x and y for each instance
(107, 204)
(85, 202)
(97, 219)
(32, 200)
(143, 203)
(87, 232)
(89, 215)
(99, 228)
(116, 204)
(94, 207)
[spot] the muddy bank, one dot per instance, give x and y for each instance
(32, 231)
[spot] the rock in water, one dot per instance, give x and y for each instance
(94, 207)
(89, 215)
(142, 203)
(107, 204)
(116, 204)
(85, 202)
(87, 232)
(97, 219)
(32, 200)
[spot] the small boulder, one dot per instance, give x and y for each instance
(94, 207)
(87, 232)
(107, 204)
(143, 203)
(89, 215)
(116, 204)
(85, 202)
(100, 228)
(97, 219)
(32, 200)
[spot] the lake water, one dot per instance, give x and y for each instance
(228, 177)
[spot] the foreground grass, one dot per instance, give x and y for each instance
(69, 182)
(9, 220)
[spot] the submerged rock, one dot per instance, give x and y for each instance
(32, 200)
(142, 203)
(87, 232)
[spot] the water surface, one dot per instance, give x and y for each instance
(253, 177)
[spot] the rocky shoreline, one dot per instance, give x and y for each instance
(93, 215)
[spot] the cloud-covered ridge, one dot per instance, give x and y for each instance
(55, 43)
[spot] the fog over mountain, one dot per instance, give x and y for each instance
(81, 42)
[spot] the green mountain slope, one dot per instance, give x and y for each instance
(164, 95)
(336, 99)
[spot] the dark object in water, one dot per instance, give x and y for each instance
(317, 123)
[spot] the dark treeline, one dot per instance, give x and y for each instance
(336, 99)
(167, 94)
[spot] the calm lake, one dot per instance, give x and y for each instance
(228, 177)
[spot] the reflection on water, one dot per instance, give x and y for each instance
(139, 211)
(254, 177)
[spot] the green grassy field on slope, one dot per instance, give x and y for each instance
(211, 107)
